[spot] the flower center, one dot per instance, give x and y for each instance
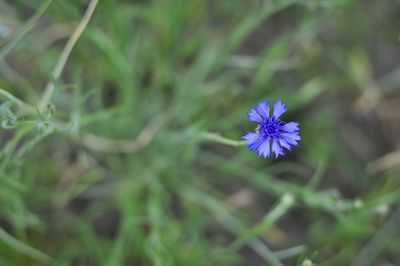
(271, 128)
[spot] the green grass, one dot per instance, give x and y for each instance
(122, 124)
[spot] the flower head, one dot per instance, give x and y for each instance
(272, 135)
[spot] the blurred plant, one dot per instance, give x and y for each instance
(128, 174)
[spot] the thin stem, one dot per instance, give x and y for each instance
(232, 224)
(383, 237)
(318, 175)
(269, 219)
(28, 26)
(48, 92)
(264, 251)
(102, 144)
(290, 252)
(26, 107)
(215, 137)
(23, 248)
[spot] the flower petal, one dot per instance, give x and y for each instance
(254, 116)
(293, 135)
(279, 109)
(263, 109)
(291, 127)
(277, 149)
(291, 138)
(254, 146)
(251, 136)
(284, 144)
(254, 140)
(264, 149)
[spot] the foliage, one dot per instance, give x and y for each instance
(121, 121)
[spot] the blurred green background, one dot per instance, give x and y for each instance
(117, 118)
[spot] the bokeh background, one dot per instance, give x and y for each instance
(120, 122)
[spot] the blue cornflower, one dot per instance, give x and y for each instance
(272, 134)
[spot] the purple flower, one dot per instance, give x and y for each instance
(272, 135)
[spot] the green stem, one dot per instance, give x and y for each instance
(62, 60)
(215, 137)
(27, 27)
(26, 107)
(269, 219)
(23, 248)
(231, 223)
(290, 252)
